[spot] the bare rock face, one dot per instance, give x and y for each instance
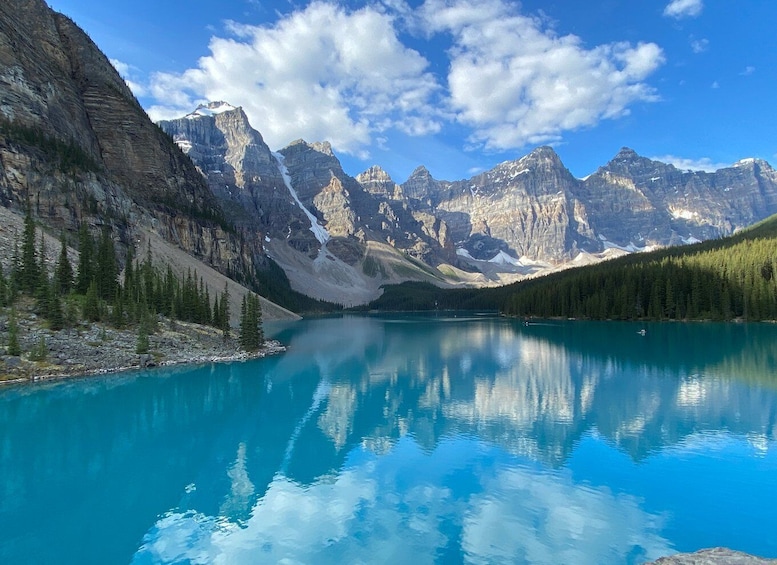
(377, 182)
(421, 185)
(242, 172)
(370, 207)
(634, 199)
(97, 158)
(533, 207)
(526, 205)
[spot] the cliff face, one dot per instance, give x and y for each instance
(525, 207)
(534, 208)
(56, 83)
(242, 173)
(519, 217)
(370, 207)
(634, 199)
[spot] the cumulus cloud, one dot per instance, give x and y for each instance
(699, 45)
(127, 72)
(685, 164)
(321, 73)
(516, 82)
(385, 510)
(327, 72)
(683, 9)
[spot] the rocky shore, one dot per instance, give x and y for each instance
(97, 349)
(714, 556)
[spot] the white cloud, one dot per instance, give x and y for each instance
(747, 71)
(683, 8)
(715, 85)
(326, 72)
(515, 82)
(700, 45)
(320, 73)
(127, 72)
(702, 164)
(361, 515)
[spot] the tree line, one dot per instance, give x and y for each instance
(731, 278)
(67, 155)
(94, 291)
(724, 279)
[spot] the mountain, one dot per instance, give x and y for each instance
(341, 238)
(721, 279)
(534, 208)
(337, 237)
(77, 146)
(634, 200)
(525, 208)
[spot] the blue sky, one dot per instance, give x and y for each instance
(461, 85)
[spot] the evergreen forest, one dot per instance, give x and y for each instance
(724, 279)
(94, 291)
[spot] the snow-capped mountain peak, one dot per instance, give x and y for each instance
(211, 109)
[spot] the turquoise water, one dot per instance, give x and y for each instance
(406, 440)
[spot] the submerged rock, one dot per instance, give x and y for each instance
(714, 556)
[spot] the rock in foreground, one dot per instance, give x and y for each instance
(714, 556)
(97, 349)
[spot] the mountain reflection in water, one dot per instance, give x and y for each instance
(407, 438)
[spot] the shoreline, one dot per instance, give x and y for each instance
(270, 347)
(98, 349)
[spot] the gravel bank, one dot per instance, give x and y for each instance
(98, 349)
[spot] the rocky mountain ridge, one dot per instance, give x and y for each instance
(77, 146)
(522, 217)
(337, 237)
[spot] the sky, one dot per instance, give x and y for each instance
(461, 85)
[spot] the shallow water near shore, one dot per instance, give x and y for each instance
(418, 439)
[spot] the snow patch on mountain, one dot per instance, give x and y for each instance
(503, 258)
(210, 109)
(631, 248)
(678, 213)
(318, 230)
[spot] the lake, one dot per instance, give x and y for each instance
(406, 439)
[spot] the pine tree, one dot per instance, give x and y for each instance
(56, 315)
(14, 349)
(63, 275)
(129, 276)
(224, 311)
(92, 303)
(28, 272)
(43, 295)
(107, 272)
(147, 276)
(251, 334)
(142, 346)
(118, 316)
(84, 274)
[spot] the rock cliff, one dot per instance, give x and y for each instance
(76, 144)
(533, 208)
(519, 218)
(635, 200)
(242, 173)
(525, 208)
